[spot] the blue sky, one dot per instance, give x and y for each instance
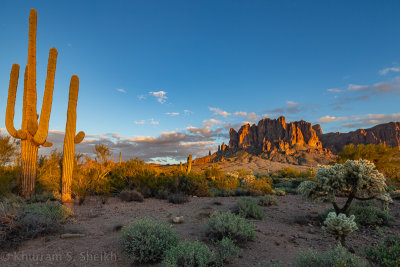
(161, 79)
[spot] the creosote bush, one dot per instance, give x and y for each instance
(147, 240)
(248, 207)
(225, 249)
(232, 226)
(338, 257)
(189, 254)
(340, 226)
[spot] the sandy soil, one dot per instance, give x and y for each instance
(286, 228)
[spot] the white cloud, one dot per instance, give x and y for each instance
(211, 122)
(161, 96)
(240, 113)
(141, 97)
(153, 122)
(335, 90)
(121, 90)
(328, 118)
(140, 122)
(218, 111)
(172, 113)
(355, 87)
(387, 70)
(186, 111)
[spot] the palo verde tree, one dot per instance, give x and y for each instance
(32, 133)
(355, 179)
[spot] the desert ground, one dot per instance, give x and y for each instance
(288, 227)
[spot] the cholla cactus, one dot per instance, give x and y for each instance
(340, 226)
(386, 199)
(356, 179)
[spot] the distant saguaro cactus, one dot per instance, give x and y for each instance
(189, 164)
(180, 166)
(32, 134)
(120, 158)
(70, 140)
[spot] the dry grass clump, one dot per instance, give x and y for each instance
(131, 195)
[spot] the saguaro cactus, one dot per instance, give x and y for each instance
(189, 164)
(180, 166)
(32, 134)
(70, 140)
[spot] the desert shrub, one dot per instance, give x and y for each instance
(49, 172)
(194, 184)
(338, 256)
(386, 254)
(267, 200)
(229, 225)
(355, 179)
(131, 195)
(37, 219)
(8, 180)
(247, 207)
(225, 249)
(259, 187)
(220, 181)
(385, 158)
(190, 254)
(179, 198)
(147, 240)
(288, 186)
(369, 213)
(43, 197)
(215, 192)
(340, 226)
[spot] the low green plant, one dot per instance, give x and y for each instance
(267, 200)
(189, 254)
(225, 249)
(227, 224)
(369, 213)
(340, 226)
(146, 241)
(338, 257)
(247, 207)
(386, 254)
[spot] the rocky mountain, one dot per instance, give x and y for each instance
(300, 142)
(387, 133)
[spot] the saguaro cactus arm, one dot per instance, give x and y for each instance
(42, 131)
(79, 137)
(12, 92)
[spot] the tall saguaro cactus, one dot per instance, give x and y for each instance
(32, 134)
(70, 140)
(189, 164)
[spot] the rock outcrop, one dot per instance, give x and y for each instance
(274, 134)
(299, 142)
(387, 133)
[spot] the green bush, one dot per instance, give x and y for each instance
(267, 200)
(8, 178)
(369, 213)
(216, 192)
(189, 254)
(225, 249)
(146, 240)
(247, 207)
(42, 218)
(338, 257)
(386, 254)
(227, 224)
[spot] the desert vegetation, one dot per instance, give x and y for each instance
(342, 214)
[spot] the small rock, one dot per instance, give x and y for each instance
(177, 219)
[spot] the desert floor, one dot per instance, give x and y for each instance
(286, 228)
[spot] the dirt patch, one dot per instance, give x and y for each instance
(291, 225)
